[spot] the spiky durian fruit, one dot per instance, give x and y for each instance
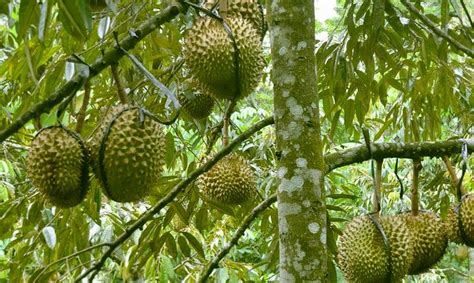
(429, 240)
(58, 165)
(250, 10)
(230, 181)
(451, 225)
(128, 153)
(195, 103)
(209, 54)
(364, 257)
(466, 215)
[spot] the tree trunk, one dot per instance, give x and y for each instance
(301, 208)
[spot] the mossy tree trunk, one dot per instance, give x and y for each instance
(301, 208)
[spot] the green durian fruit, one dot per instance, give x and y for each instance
(363, 256)
(58, 166)
(209, 55)
(128, 153)
(231, 181)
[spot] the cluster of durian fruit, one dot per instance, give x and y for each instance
(387, 248)
(126, 153)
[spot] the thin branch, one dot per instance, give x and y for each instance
(395, 150)
(147, 216)
(111, 56)
(415, 195)
(81, 115)
(468, 51)
(118, 81)
(467, 13)
(452, 173)
(235, 239)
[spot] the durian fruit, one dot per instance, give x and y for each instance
(363, 255)
(451, 225)
(128, 153)
(209, 55)
(459, 223)
(58, 166)
(230, 181)
(429, 240)
(195, 103)
(466, 215)
(250, 10)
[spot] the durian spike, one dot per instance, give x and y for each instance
(415, 197)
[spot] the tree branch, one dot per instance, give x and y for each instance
(118, 81)
(110, 57)
(235, 239)
(81, 116)
(360, 153)
(437, 30)
(147, 216)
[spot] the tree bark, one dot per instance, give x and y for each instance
(301, 208)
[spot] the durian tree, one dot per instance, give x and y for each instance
(237, 140)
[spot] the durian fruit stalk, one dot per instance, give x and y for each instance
(250, 10)
(210, 56)
(429, 240)
(364, 257)
(128, 153)
(230, 181)
(58, 166)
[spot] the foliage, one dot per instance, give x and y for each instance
(380, 69)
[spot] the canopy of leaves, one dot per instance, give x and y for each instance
(379, 67)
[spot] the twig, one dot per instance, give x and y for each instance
(452, 173)
(147, 216)
(118, 82)
(235, 239)
(396, 150)
(110, 57)
(467, 12)
(81, 115)
(415, 196)
(438, 31)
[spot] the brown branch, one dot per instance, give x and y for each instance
(415, 196)
(111, 56)
(377, 186)
(452, 172)
(118, 81)
(81, 115)
(360, 153)
(437, 30)
(235, 239)
(148, 215)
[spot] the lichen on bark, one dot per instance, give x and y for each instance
(301, 209)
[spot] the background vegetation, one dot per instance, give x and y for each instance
(379, 67)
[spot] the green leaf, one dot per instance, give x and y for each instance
(195, 244)
(28, 15)
(183, 246)
(202, 219)
(76, 18)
